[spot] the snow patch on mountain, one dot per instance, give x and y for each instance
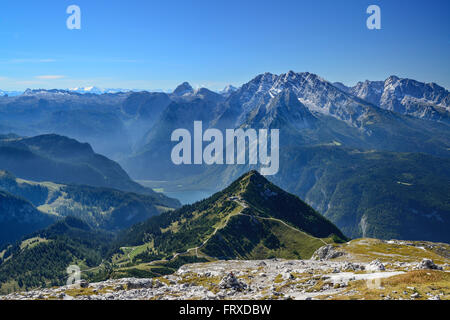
(96, 90)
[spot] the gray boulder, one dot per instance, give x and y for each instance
(139, 284)
(326, 253)
(83, 284)
(428, 264)
(375, 265)
(231, 282)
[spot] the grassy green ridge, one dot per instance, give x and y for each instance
(267, 239)
(269, 200)
(231, 224)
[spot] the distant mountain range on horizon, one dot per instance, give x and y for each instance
(125, 118)
(363, 89)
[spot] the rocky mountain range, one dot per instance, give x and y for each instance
(406, 96)
(98, 118)
(314, 111)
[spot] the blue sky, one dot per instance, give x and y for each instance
(159, 44)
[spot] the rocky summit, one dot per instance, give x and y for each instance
(360, 269)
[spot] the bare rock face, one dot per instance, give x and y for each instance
(231, 282)
(349, 266)
(326, 253)
(428, 264)
(139, 284)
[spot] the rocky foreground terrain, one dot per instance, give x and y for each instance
(360, 269)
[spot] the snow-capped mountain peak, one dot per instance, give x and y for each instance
(97, 90)
(406, 96)
(317, 94)
(10, 93)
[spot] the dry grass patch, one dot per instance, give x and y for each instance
(366, 250)
(278, 279)
(425, 283)
(77, 292)
(418, 277)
